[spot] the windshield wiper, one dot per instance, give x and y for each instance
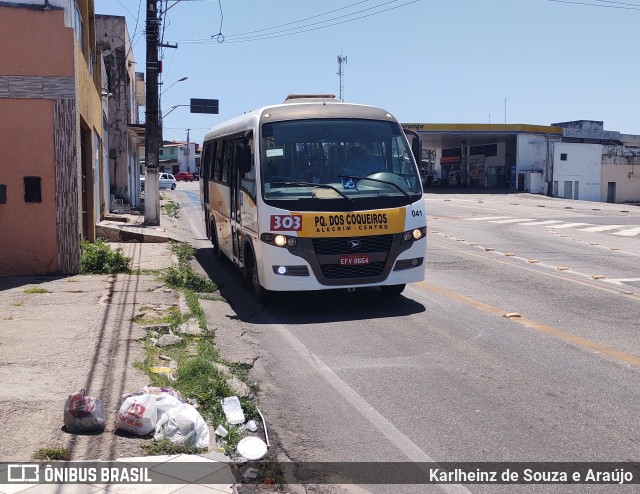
(319, 186)
(375, 180)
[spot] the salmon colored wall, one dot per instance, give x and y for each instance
(27, 230)
(28, 31)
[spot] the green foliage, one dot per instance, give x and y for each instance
(165, 447)
(99, 258)
(171, 209)
(36, 290)
(183, 275)
(52, 454)
(183, 251)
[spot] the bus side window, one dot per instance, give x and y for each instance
(226, 158)
(218, 160)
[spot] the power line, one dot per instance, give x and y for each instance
(303, 20)
(614, 5)
(303, 29)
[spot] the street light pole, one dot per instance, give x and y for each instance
(173, 84)
(160, 116)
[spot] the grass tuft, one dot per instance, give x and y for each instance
(36, 290)
(99, 258)
(52, 454)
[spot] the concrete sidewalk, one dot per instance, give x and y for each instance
(61, 334)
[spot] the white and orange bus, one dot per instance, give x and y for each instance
(286, 197)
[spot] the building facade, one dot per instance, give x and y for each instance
(51, 124)
(125, 136)
(177, 157)
(573, 160)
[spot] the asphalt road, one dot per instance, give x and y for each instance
(520, 345)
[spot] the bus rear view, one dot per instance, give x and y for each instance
(337, 201)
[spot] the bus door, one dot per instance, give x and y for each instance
(234, 186)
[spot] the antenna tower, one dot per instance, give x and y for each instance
(340, 73)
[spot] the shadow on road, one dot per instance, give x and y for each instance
(322, 306)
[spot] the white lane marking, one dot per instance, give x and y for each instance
(621, 281)
(517, 220)
(485, 218)
(548, 222)
(632, 232)
(386, 428)
(603, 228)
(569, 225)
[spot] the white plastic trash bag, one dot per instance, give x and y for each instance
(184, 426)
(166, 402)
(138, 414)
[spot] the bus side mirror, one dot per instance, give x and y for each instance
(416, 145)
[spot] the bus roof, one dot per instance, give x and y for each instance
(300, 107)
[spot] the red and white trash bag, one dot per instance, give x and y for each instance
(83, 413)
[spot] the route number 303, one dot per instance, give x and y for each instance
(286, 222)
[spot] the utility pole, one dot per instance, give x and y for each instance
(188, 153)
(152, 183)
(340, 73)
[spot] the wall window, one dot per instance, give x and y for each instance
(3, 194)
(32, 189)
(491, 150)
(563, 156)
(76, 23)
(451, 152)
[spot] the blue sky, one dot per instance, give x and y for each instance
(435, 61)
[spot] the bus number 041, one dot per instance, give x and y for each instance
(286, 222)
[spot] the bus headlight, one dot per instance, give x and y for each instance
(413, 235)
(279, 240)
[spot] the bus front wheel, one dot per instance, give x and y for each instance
(251, 275)
(392, 289)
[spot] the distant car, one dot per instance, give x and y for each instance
(186, 176)
(167, 181)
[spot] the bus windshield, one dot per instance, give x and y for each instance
(341, 159)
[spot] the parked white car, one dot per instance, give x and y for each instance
(167, 181)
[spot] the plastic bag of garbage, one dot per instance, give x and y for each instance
(83, 413)
(166, 402)
(138, 414)
(183, 425)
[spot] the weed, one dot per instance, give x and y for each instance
(183, 275)
(99, 258)
(183, 251)
(165, 447)
(171, 209)
(36, 290)
(17, 304)
(52, 454)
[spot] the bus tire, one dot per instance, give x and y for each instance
(392, 289)
(260, 293)
(217, 252)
